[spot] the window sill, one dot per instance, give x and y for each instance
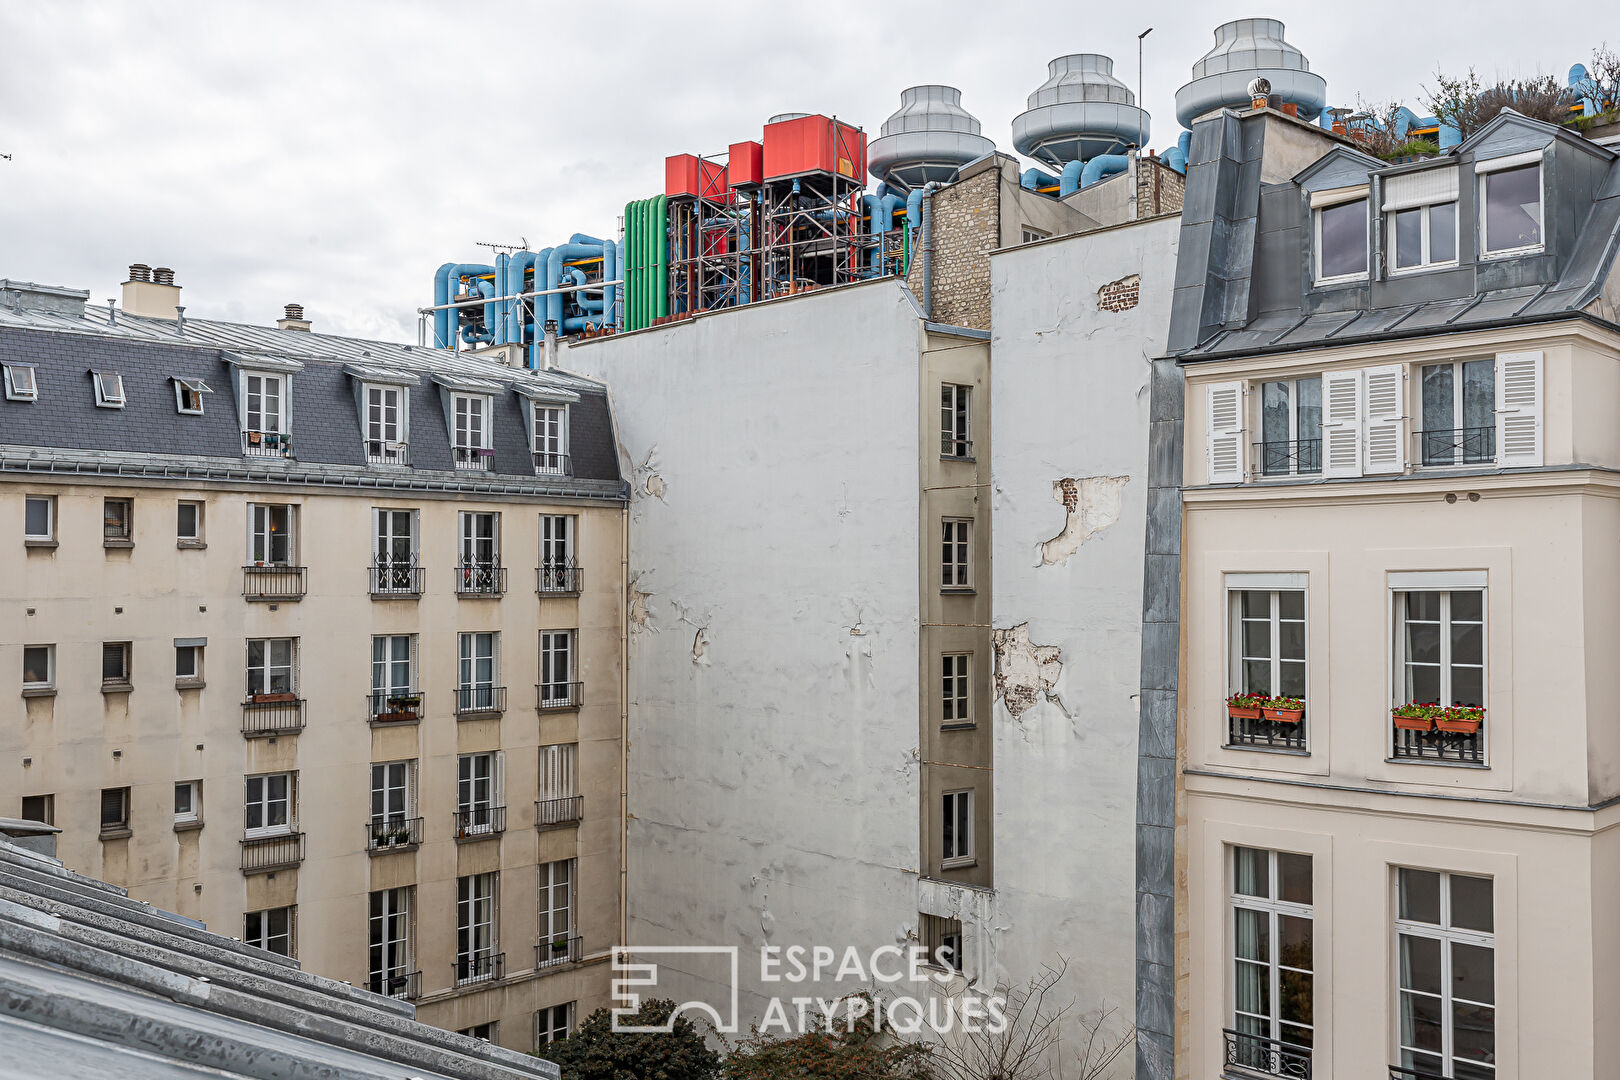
(958, 590)
(477, 837)
(1244, 748)
(1437, 762)
(123, 832)
(41, 545)
(191, 545)
(117, 688)
(958, 725)
(953, 457)
(189, 684)
(39, 691)
(114, 543)
(962, 863)
(187, 826)
(1512, 253)
(1334, 282)
(1426, 268)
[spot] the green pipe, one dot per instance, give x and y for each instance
(632, 236)
(660, 238)
(640, 218)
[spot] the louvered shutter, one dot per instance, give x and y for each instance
(1341, 423)
(1224, 435)
(1518, 408)
(1385, 396)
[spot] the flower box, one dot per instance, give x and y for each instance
(1238, 712)
(1243, 706)
(396, 716)
(1284, 716)
(1415, 718)
(274, 699)
(1459, 720)
(560, 945)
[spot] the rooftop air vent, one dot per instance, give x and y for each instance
(1248, 49)
(927, 139)
(1080, 112)
(162, 275)
(140, 272)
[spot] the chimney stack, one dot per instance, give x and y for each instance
(151, 293)
(293, 319)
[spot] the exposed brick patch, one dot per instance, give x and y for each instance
(1121, 295)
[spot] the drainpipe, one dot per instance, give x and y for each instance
(926, 197)
(515, 326)
(1069, 181)
(1100, 166)
(624, 727)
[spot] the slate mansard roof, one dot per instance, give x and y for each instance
(1243, 280)
(150, 436)
(93, 983)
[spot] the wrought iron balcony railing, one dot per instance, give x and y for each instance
(559, 812)
(548, 463)
(480, 579)
(473, 702)
(388, 707)
(396, 581)
(271, 444)
(396, 984)
(558, 695)
(480, 822)
(1457, 446)
(562, 949)
(393, 833)
(1259, 1056)
(1265, 734)
(271, 582)
(379, 452)
(558, 579)
(262, 854)
(1296, 457)
(264, 715)
(1465, 747)
(467, 457)
(479, 967)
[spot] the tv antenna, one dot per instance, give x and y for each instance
(505, 248)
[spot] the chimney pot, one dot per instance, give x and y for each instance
(295, 311)
(140, 272)
(162, 275)
(293, 319)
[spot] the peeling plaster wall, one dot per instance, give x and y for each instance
(774, 625)
(1070, 409)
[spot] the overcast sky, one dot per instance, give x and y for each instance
(336, 153)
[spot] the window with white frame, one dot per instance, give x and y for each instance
(393, 671)
(955, 553)
(394, 550)
(475, 927)
(272, 666)
(1511, 205)
(390, 942)
(1340, 228)
(1459, 413)
(115, 665)
(956, 831)
(557, 566)
(1420, 219)
(117, 520)
(477, 792)
(268, 805)
(386, 419)
(188, 802)
(956, 700)
(480, 552)
(557, 771)
(39, 668)
(188, 524)
(1272, 961)
(1291, 427)
(552, 1024)
(479, 671)
(556, 912)
(551, 439)
(39, 519)
(955, 421)
(941, 941)
(1440, 645)
(21, 382)
(393, 794)
(188, 663)
(188, 395)
(109, 389)
(271, 930)
(271, 539)
(470, 441)
(1266, 645)
(264, 414)
(1446, 974)
(557, 668)
(486, 1032)
(1028, 234)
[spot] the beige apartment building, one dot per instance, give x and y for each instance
(1399, 460)
(319, 641)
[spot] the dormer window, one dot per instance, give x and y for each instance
(385, 424)
(21, 384)
(551, 439)
(264, 415)
(1341, 237)
(471, 445)
(1511, 206)
(109, 389)
(188, 395)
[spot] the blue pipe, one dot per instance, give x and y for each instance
(1069, 179)
(1175, 159)
(610, 293)
(1035, 179)
(502, 307)
(485, 289)
(583, 299)
(442, 329)
(554, 268)
(521, 262)
(914, 210)
(581, 238)
(441, 314)
(1100, 166)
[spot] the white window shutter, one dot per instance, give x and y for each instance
(1341, 423)
(1224, 434)
(1385, 442)
(1518, 408)
(497, 793)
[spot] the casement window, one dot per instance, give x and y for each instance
(21, 383)
(271, 536)
(1420, 220)
(941, 941)
(955, 421)
(394, 553)
(41, 808)
(1291, 427)
(386, 420)
(393, 795)
(267, 805)
(1266, 647)
(1029, 235)
(39, 668)
(470, 435)
(188, 662)
(1446, 974)
(1459, 413)
(556, 909)
(393, 668)
(1511, 205)
(39, 518)
(557, 563)
(551, 439)
(271, 930)
(1272, 961)
(109, 389)
(188, 802)
(115, 656)
(486, 1032)
(480, 552)
(956, 831)
(479, 670)
(272, 666)
(264, 409)
(188, 524)
(117, 521)
(475, 927)
(956, 699)
(955, 553)
(188, 395)
(1340, 228)
(478, 792)
(552, 1024)
(557, 668)
(114, 812)
(1439, 659)
(390, 942)
(557, 771)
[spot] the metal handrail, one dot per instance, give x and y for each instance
(551, 463)
(480, 579)
(396, 579)
(275, 582)
(480, 700)
(1261, 1056)
(478, 822)
(1457, 446)
(559, 812)
(261, 854)
(1288, 457)
(556, 695)
(558, 950)
(387, 707)
(262, 718)
(478, 966)
(393, 833)
(406, 985)
(557, 579)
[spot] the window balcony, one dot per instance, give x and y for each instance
(265, 715)
(558, 813)
(388, 709)
(558, 579)
(390, 834)
(1456, 446)
(387, 453)
(480, 579)
(1296, 457)
(1246, 733)
(473, 459)
(479, 967)
(275, 583)
(1255, 1055)
(406, 985)
(266, 444)
(1467, 748)
(479, 823)
(262, 854)
(396, 581)
(477, 702)
(557, 951)
(556, 696)
(549, 463)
